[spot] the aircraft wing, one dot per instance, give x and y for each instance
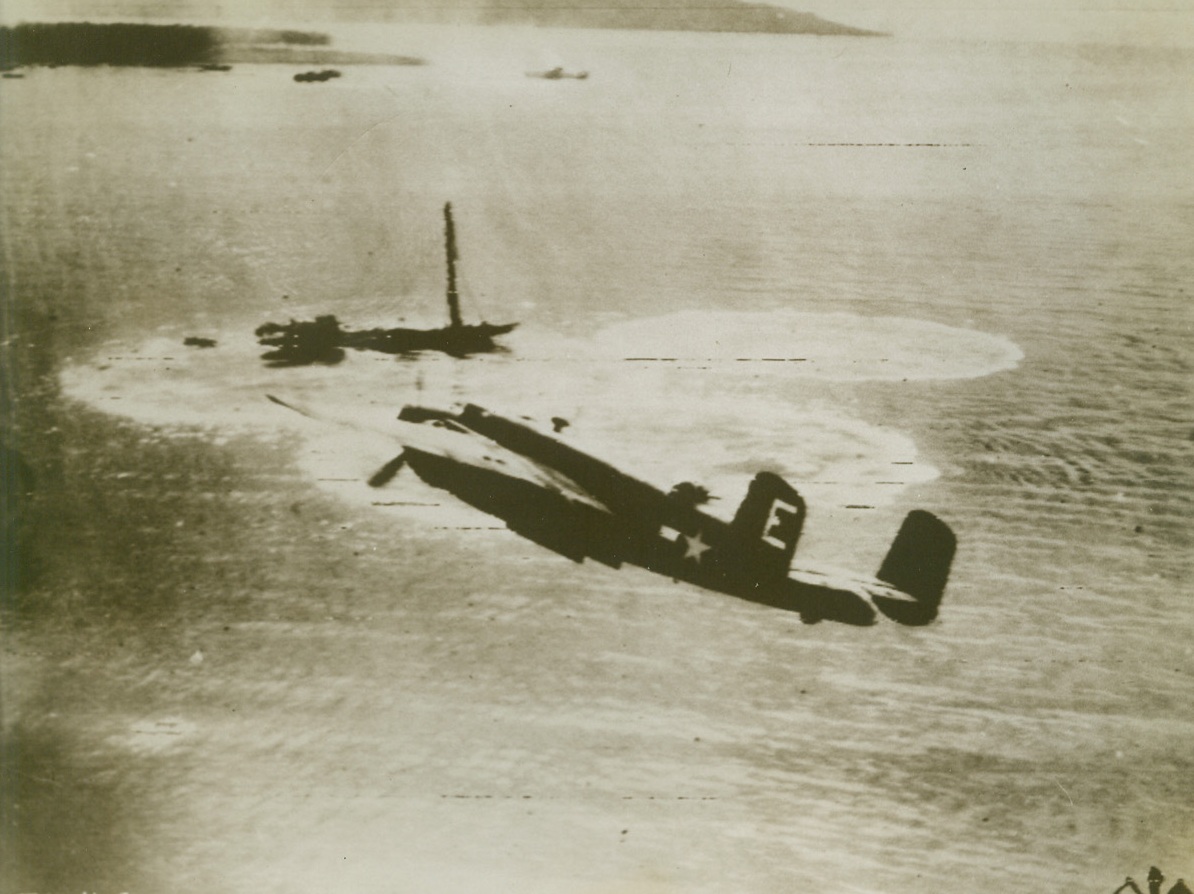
(459, 445)
(475, 450)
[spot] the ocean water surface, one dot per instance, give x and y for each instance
(902, 273)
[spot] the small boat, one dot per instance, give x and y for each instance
(308, 77)
(302, 342)
(558, 74)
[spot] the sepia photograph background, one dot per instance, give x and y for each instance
(906, 255)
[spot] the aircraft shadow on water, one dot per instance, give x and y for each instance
(323, 340)
(581, 507)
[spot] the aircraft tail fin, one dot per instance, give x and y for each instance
(918, 564)
(771, 511)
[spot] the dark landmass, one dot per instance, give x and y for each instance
(658, 15)
(85, 43)
(82, 43)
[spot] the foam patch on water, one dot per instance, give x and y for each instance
(713, 413)
(836, 347)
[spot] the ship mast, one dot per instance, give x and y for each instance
(453, 296)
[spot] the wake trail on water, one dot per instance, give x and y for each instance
(701, 396)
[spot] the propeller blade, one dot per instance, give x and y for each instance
(303, 411)
(386, 473)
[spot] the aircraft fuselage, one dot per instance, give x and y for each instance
(643, 526)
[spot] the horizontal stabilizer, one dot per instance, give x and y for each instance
(918, 564)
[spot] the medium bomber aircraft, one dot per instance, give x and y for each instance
(581, 507)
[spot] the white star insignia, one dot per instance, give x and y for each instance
(694, 547)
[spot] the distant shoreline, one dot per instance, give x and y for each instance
(178, 45)
(129, 44)
(728, 16)
(171, 44)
